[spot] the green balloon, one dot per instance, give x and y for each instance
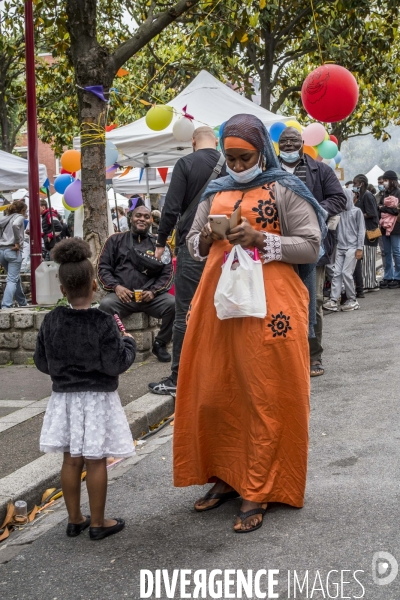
(327, 149)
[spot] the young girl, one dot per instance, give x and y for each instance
(82, 350)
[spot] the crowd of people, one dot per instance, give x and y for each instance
(240, 423)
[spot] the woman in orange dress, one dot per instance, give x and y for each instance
(242, 406)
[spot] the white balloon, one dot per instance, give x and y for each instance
(183, 129)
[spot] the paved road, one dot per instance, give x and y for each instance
(351, 509)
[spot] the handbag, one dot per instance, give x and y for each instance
(374, 234)
(240, 292)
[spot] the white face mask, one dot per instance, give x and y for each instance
(245, 176)
(290, 157)
(386, 184)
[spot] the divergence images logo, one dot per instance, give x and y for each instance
(384, 568)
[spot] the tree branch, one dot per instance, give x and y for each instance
(147, 30)
(253, 57)
(284, 62)
(304, 13)
(282, 97)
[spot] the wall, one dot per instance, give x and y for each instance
(19, 328)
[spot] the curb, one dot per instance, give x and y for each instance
(29, 482)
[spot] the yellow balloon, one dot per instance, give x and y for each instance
(327, 136)
(276, 146)
(67, 207)
(294, 124)
(159, 117)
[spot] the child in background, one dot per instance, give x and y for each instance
(350, 243)
(82, 350)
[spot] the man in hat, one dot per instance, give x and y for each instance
(324, 185)
(391, 243)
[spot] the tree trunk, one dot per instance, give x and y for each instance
(7, 143)
(95, 226)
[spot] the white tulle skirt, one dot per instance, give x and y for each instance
(89, 424)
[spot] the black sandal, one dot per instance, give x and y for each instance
(244, 515)
(316, 370)
(222, 498)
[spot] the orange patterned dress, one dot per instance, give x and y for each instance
(242, 406)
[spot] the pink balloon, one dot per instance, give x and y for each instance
(73, 194)
(314, 134)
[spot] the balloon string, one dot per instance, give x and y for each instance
(316, 31)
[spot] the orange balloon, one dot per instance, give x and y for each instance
(311, 151)
(71, 160)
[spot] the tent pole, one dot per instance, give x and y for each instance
(33, 159)
(116, 210)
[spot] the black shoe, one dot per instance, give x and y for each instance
(360, 295)
(161, 352)
(384, 283)
(394, 284)
(165, 387)
(99, 533)
(74, 530)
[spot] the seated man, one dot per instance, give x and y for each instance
(126, 264)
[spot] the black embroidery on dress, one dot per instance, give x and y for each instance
(237, 204)
(268, 213)
(280, 324)
(270, 187)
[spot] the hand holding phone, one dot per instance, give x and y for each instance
(221, 225)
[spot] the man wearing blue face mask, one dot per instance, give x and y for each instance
(325, 187)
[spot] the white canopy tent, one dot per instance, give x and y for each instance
(373, 175)
(207, 99)
(135, 182)
(14, 172)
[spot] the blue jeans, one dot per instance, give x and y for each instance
(391, 247)
(11, 261)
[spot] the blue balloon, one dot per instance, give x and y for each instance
(332, 164)
(276, 130)
(62, 182)
(111, 154)
(337, 158)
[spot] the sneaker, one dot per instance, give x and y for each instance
(331, 305)
(350, 305)
(394, 284)
(384, 283)
(160, 351)
(165, 387)
(360, 295)
(374, 289)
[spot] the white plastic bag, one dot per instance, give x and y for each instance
(240, 292)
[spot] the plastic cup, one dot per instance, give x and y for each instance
(138, 295)
(21, 512)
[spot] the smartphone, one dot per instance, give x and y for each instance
(236, 218)
(219, 224)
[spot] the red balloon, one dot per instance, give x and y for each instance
(62, 171)
(329, 93)
(334, 139)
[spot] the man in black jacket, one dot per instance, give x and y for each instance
(127, 263)
(189, 176)
(325, 187)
